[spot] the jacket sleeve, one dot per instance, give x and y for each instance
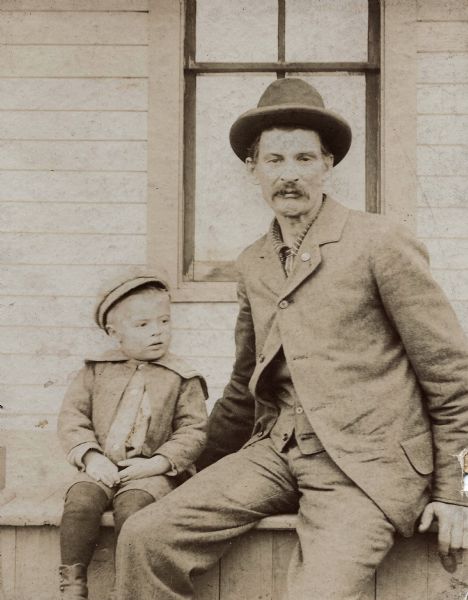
(436, 347)
(232, 418)
(75, 429)
(189, 427)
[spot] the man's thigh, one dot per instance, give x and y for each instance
(343, 534)
(236, 491)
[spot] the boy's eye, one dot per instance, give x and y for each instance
(142, 324)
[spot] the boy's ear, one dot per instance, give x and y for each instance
(110, 330)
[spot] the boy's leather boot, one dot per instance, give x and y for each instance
(73, 584)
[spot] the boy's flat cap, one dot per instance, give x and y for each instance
(116, 293)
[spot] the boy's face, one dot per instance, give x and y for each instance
(141, 323)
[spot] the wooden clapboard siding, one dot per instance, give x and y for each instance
(73, 125)
(73, 131)
(442, 102)
(80, 28)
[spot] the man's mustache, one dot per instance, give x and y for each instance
(290, 188)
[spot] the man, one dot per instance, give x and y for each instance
(350, 363)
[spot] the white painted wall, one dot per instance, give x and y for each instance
(442, 215)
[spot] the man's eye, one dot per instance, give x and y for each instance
(142, 324)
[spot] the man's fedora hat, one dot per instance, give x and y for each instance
(123, 289)
(291, 102)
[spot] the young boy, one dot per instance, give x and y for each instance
(132, 421)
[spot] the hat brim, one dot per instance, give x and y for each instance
(335, 132)
(116, 294)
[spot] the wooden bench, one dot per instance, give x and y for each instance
(253, 569)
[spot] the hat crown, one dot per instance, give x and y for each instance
(291, 91)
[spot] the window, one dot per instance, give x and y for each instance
(233, 51)
(210, 60)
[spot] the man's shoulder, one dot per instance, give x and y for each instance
(252, 250)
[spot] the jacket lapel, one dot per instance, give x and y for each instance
(271, 270)
(328, 228)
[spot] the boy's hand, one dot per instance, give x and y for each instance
(100, 468)
(144, 467)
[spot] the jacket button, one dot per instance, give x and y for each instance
(299, 410)
(261, 358)
(283, 304)
(285, 437)
(305, 256)
(260, 433)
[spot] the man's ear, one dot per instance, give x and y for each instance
(329, 160)
(250, 166)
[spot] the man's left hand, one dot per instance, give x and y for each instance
(452, 521)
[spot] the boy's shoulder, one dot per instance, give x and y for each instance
(169, 361)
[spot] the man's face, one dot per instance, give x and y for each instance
(142, 325)
(291, 171)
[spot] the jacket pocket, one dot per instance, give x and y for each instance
(419, 451)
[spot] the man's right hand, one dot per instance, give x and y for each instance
(100, 468)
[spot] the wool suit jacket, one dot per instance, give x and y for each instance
(376, 355)
(177, 393)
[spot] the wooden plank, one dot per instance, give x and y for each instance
(7, 562)
(101, 570)
(246, 570)
(443, 223)
(165, 131)
(37, 546)
(73, 156)
(73, 61)
(73, 94)
(403, 574)
(442, 36)
(50, 370)
(28, 217)
(448, 254)
(442, 160)
(53, 186)
(31, 398)
(74, 5)
(442, 191)
(76, 249)
(398, 135)
(446, 99)
(443, 10)
(81, 28)
(282, 546)
(51, 280)
(454, 282)
(207, 585)
(443, 67)
(442, 129)
(63, 341)
(70, 125)
(78, 312)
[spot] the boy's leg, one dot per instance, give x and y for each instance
(126, 504)
(185, 533)
(84, 505)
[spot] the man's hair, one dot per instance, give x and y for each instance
(255, 145)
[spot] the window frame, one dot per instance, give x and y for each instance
(170, 225)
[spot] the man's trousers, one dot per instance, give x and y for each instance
(342, 534)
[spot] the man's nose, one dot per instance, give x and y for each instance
(289, 172)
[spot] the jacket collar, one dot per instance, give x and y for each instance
(169, 361)
(328, 228)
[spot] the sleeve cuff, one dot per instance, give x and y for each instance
(76, 454)
(173, 471)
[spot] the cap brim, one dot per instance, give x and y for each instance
(334, 131)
